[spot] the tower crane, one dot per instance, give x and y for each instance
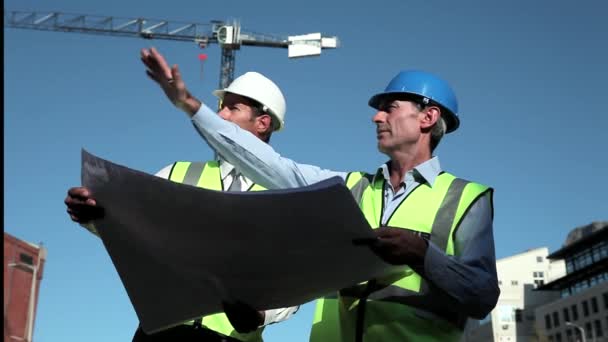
(228, 35)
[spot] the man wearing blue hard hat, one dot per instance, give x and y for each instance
(438, 225)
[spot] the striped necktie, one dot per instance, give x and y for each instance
(236, 182)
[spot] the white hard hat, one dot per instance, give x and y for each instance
(259, 88)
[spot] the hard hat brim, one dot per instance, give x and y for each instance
(219, 93)
(452, 121)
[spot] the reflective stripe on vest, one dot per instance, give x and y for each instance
(207, 175)
(430, 211)
(204, 175)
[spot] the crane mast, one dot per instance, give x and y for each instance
(228, 35)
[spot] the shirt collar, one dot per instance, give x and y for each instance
(226, 169)
(423, 172)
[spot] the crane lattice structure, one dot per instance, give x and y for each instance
(229, 36)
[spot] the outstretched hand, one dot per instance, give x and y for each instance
(170, 81)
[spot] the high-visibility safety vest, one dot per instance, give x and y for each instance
(207, 175)
(401, 306)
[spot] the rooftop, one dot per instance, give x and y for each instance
(581, 237)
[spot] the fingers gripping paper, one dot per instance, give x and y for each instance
(181, 250)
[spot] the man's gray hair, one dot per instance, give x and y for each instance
(437, 132)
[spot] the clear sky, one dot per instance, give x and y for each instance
(530, 77)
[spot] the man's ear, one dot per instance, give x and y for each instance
(430, 115)
(263, 124)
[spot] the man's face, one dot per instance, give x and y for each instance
(237, 109)
(397, 125)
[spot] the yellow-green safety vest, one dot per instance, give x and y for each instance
(207, 176)
(400, 306)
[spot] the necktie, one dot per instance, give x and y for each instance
(236, 182)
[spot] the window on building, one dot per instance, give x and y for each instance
(574, 312)
(26, 259)
(558, 337)
(514, 282)
(594, 307)
(547, 322)
(538, 274)
(505, 313)
(568, 335)
(556, 319)
(595, 254)
(585, 308)
(598, 329)
(566, 315)
(603, 249)
(518, 315)
(582, 259)
(538, 282)
(600, 251)
(605, 295)
(539, 259)
(588, 331)
(569, 265)
(588, 260)
(499, 282)
(594, 280)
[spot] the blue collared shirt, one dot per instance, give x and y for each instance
(469, 276)
(425, 172)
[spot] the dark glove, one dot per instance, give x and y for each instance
(399, 246)
(82, 208)
(243, 317)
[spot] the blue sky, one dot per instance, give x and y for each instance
(530, 77)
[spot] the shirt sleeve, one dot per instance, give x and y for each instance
(257, 160)
(164, 173)
(470, 275)
(279, 315)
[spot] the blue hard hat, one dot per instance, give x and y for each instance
(424, 85)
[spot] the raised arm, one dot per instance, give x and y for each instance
(170, 81)
(254, 158)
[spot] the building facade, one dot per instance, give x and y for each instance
(23, 269)
(513, 317)
(581, 312)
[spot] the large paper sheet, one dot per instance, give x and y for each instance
(181, 250)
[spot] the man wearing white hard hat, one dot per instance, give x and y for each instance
(438, 226)
(255, 104)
